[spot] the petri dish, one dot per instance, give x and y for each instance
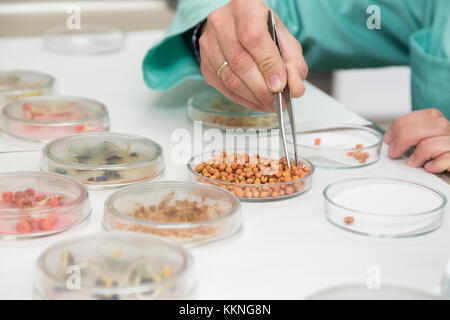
(19, 84)
(89, 39)
(217, 111)
(104, 159)
(265, 184)
(385, 208)
(187, 212)
(338, 146)
(114, 266)
(34, 204)
(46, 118)
(363, 292)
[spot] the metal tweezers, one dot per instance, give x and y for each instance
(286, 93)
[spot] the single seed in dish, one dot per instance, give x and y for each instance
(317, 142)
(349, 220)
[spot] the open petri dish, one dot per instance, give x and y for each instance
(217, 111)
(104, 159)
(385, 208)
(187, 212)
(18, 84)
(362, 292)
(113, 266)
(89, 39)
(338, 146)
(34, 204)
(252, 175)
(46, 118)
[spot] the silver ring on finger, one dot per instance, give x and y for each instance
(219, 72)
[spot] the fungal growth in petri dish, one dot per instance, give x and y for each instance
(47, 118)
(171, 210)
(110, 273)
(104, 159)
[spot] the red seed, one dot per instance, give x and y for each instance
(19, 195)
(23, 226)
(40, 197)
(30, 192)
(79, 127)
(53, 202)
(7, 196)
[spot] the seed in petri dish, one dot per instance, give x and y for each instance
(317, 142)
(349, 220)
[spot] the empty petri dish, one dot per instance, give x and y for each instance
(113, 266)
(338, 146)
(187, 212)
(387, 208)
(104, 159)
(252, 175)
(34, 204)
(217, 111)
(46, 118)
(89, 39)
(18, 84)
(363, 292)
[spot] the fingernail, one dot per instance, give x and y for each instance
(411, 160)
(275, 83)
(391, 149)
(387, 136)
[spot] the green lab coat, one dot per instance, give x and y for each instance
(334, 35)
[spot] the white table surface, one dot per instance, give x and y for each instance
(286, 249)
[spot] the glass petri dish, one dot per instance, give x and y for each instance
(90, 39)
(338, 146)
(113, 266)
(270, 187)
(34, 204)
(385, 208)
(19, 84)
(187, 212)
(217, 111)
(104, 159)
(46, 118)
(362, 292)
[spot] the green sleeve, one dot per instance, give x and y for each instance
(170, 61)
(430, 61)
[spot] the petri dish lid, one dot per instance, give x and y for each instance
(90, 39)
(382, 207)
(187, 212)
(212, 103)
(34, 204)
(362, 292)
(24, 80)
(116, 265)
(94, 150)
(337, 145)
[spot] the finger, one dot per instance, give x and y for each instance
(254, 36)
(244, 66)
(410, 135)
(296, 67)
(410, 118)
(211, 78)
(429, 149)
(231, 81)
(439, 165)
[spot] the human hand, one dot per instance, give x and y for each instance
(429, 131)
(238, 33)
